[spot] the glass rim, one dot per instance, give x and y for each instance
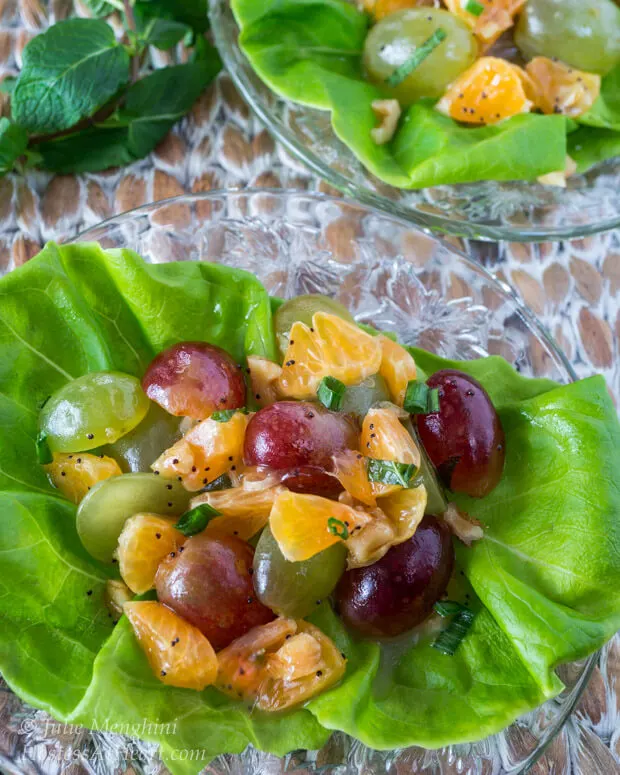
(499, 286)
(441, 223)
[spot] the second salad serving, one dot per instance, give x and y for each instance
(427, 93)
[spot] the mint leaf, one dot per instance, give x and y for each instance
(68, 72)
(7, 86)
(101, 8)
(13, 142)
(152, 106)
(163, 33)
(190, 12)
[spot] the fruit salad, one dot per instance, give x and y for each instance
(325, 476)
(232, 520)
(428, 81)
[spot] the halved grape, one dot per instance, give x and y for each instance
(302, 308)
(209, 583)
(359, 398)
(395, 39)
(581, 33)
(399, 591)
(104, 511)
(464, 439)
(144, 444)
(300, 438)
(92, 410)
(295, 588)
(194, 379)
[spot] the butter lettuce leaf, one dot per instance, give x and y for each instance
(309, 51)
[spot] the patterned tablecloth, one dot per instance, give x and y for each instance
(573, 287)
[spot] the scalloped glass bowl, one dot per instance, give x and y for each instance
(517, 211)
(398, 278)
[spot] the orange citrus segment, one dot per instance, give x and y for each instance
(395, 520)
(330, 347)
(489, 91)
(280, 664)
(497, 17)
(301, 524)
(179, 654)
(244, 512)
(397, 368)
(143, 543)
(350, 469)
(562, 89)
(264, 375)
(207, 451)
(75, 474)
(384, 437)
(381, 8)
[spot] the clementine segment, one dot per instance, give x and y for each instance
(397, 368)
(279, 665)
(264, 376)
(384, 437)
(143, 543)
(559, 88)
(75, 474)
(207, 451)
(330, 347)
(497, 17)
(304, 525)
(244, 512)
(491, 90)
(178, 653)
(350, 469)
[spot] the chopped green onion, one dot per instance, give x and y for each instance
(474, 7)
(225, 414)
(338, 528)
(195, 520)
(450, 639)
(44, 453)
(449, 607)
(331, 393)
(221, 483)
(416, 59)
(390, 472)
(420, 399)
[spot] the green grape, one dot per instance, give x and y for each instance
(302, 308)
(295, 588)
(581, 33)
(103, 512)
(393, 41)
(359, 398)
(145, 443)
(92, 410)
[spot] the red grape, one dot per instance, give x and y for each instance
(465, 439)
(399, 591)
(209, 582)
(300, 438)
(194, 379)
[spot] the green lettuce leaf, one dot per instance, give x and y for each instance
(605, 113)
(545, 579)
(309, 51)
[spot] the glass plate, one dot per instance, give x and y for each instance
(517, 210)
(396, 277)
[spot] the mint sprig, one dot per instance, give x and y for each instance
(79, 105)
